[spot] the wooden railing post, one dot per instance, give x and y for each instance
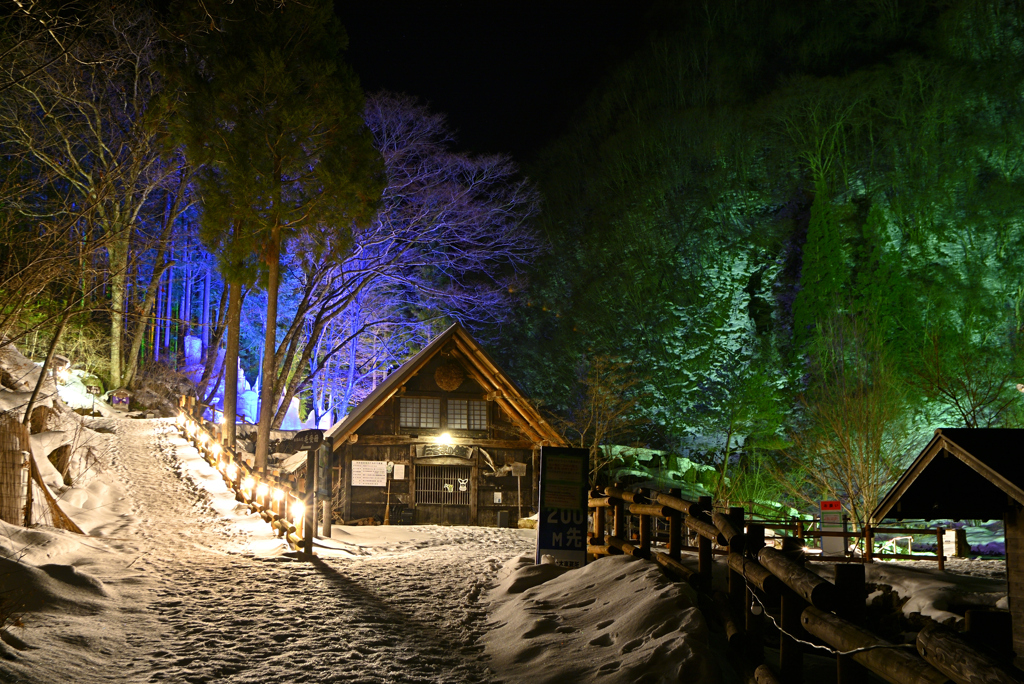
(704, 558)
(851, 595)
(791, 654)
(754, 626)
(618, 518)
(869, 543)
(644, 535)
(737, 583)
(675, 529)
(940, 551)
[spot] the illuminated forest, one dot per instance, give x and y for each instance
(780, 241)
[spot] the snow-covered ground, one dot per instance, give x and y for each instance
(174, 582)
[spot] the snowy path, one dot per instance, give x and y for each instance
(406, 612)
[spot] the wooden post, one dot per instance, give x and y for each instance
(309, 514)
(704, 558)
(754, 627)
(940, 552)
(737, 584)
(791, 653)
(846, 533)
(619, 519)
(599, 513)
(869, 543)
(327, 453)
(645, 531)
(675, 531)
(850, 605)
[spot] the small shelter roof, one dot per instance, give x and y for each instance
(480, 366)
(963, 473)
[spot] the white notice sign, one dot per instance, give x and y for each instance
(369, 473)
(399, 471)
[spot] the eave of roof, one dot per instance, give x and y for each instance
(960, 474)
(485, 371)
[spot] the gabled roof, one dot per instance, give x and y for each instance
(482, 369)
(962, 474)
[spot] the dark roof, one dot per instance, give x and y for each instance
(483, 369)
(962, 474)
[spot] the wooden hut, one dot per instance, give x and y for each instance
(448, 435)
(975, 474)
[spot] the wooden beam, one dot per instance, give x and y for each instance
(949, 655)
(810, 587)
(405, 440)
(894, 664)
(907, 479)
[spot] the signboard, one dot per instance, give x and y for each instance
(399, 473)
(832, 521)
(369, 473)
(519, 469)
(94, 390)
(456, 450)
(562, 523)
(309, 439)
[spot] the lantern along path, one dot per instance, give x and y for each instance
(406, 611)
(183, 588)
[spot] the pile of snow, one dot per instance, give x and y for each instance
(617, 619)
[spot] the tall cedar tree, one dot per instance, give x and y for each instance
(276, 120)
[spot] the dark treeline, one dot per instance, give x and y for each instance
(786, 240)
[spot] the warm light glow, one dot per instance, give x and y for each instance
(248, 483)
(444, 438)
(298, 509)
(278, 494)
(232, 471)
(180, 420)
(262, 489)
(215, 450)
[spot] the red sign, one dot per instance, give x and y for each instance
(831, 506)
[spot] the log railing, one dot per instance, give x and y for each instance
(768, 584)
(276, 499)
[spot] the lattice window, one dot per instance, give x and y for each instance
(467, 414)
(443, 484)
(420, 412)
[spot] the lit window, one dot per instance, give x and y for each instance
(467, 415)
(420, 412)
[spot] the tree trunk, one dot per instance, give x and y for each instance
(117, 253)
(231, 361)
(143, 323)
(169, 301)
(268, 398)
(46, 364)
(267, 390)
(206, 311)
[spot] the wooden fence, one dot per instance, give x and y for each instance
(768, 584)
(285, 503)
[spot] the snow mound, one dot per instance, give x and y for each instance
(617, 619)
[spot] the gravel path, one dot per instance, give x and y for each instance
(401, 615)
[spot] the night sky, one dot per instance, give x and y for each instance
(508, 75)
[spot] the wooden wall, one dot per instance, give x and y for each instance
(353, 503)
